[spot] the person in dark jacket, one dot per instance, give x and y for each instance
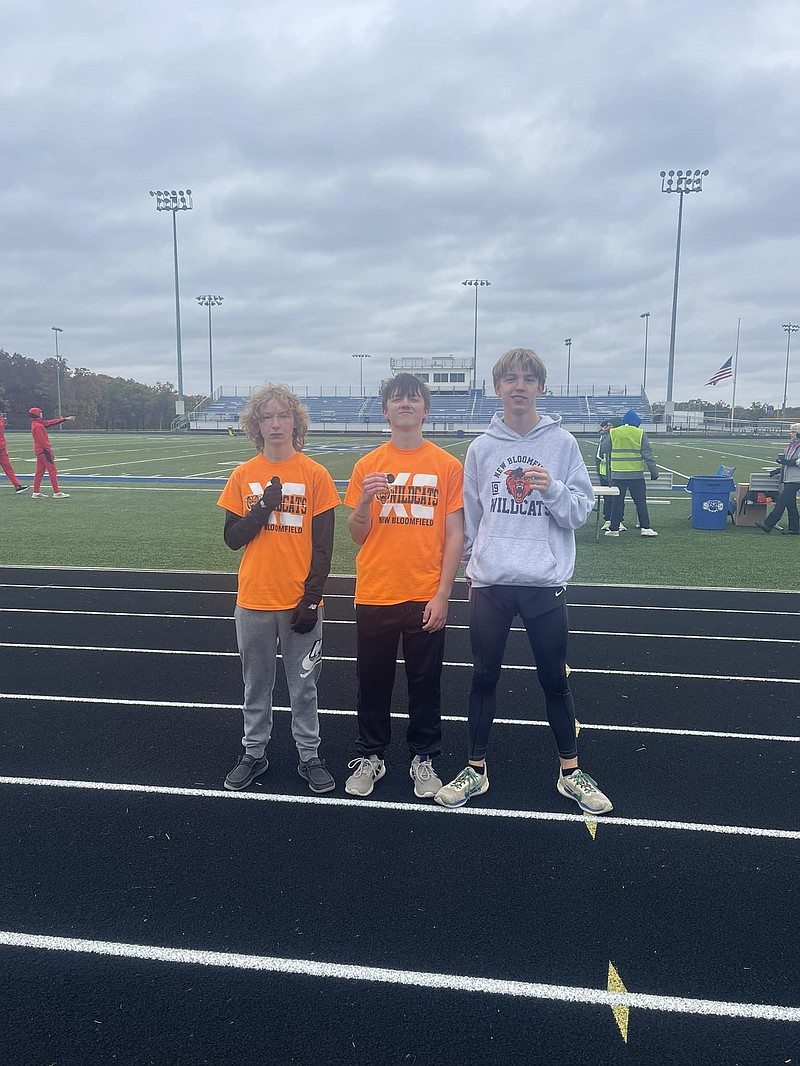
(629, 452)
(789, 469)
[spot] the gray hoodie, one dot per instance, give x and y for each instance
(516, 535)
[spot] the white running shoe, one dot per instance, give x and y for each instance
(648, 533)
(38, 495)
(583, 789)
(60, 495)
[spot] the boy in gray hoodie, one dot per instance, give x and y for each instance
(526, 490)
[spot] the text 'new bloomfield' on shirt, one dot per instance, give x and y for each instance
(275, 564)
(401, 559)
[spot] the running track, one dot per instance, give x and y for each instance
(146, 916)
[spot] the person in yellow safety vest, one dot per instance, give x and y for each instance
(628, 451)
(601, 465)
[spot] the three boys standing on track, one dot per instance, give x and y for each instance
(525, 491)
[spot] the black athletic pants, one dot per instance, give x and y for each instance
(636, 487)
(379, 630)
(786, 501)
(544, 615)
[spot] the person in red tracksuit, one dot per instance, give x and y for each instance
(5, 462)
(43, 450)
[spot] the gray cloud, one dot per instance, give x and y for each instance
(353, 163)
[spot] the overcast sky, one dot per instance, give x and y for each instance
(352, 163)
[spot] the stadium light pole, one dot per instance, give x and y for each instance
(56, 332)
(477, 285)
(175, 201)
(646, 317)
(790, 328)
(361, 357)
(681, 182)
(209, 302)
(568, 343)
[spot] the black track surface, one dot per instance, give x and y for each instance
(706, 915)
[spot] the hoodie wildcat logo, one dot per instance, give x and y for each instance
(518, 486)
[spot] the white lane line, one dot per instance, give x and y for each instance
(463, 983)
(340, 712)
(39, 587)
(681, 610)
(385, 805)
(464, 666)
(351, 622)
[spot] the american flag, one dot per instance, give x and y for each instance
(724, 371)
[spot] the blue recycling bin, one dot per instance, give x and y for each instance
(710, 501)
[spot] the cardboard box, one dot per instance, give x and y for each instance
(747, 513)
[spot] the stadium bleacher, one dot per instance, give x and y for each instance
(472, 409)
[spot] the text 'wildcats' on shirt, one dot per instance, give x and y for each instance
(519, 488)
(411, 500)
(293, 508)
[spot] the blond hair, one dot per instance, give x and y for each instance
(284, 396)
(523, 358)
(794, 427)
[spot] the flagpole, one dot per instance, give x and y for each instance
(735, 366)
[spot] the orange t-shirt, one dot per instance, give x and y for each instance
(276, 563)
(401, 559)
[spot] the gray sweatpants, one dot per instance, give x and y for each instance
(258, 634)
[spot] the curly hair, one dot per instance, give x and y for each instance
(283, 395)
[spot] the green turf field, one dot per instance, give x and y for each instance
(162, 526)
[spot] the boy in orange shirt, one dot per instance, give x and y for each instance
(280, 508)
(408, 519)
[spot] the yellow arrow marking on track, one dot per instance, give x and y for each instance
(620, 1013)
(577, 728)
(591, 825)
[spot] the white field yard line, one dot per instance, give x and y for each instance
(110, 701)
(690, 447)
(458, 983)
(351, 622)
(430, 809)
(140, 462)
(351, 659)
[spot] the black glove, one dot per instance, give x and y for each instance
(775, 472)
(781, 459)
(305, 615)
(654, 477)
(269, 501)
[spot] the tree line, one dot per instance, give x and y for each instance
(97, 401)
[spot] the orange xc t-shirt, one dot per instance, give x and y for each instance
(276, 563)
(401, 559)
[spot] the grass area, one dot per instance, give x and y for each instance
(180, 527)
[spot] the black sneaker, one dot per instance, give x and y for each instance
(21, 488)
(246, 770)
(313, 771)
(763, 528)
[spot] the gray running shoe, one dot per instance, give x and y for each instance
(313, 771)
(583, 789)
(469, 783)
(426, 782)
(365, 773)
(246, 770)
